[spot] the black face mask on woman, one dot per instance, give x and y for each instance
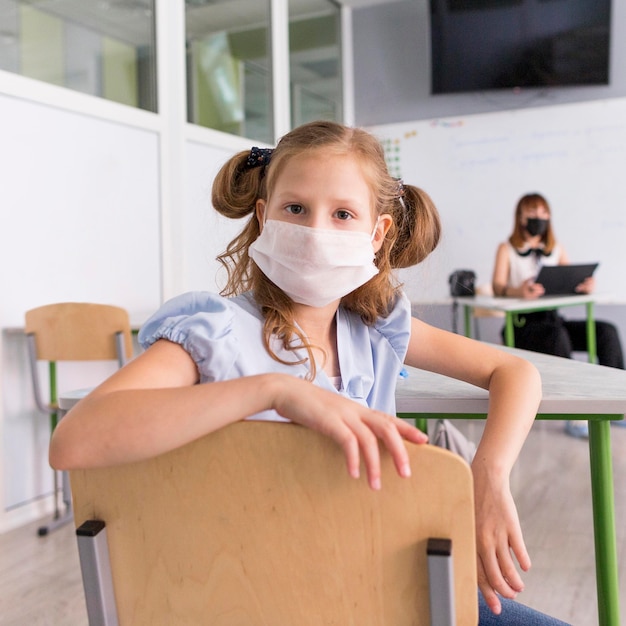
(536, 226)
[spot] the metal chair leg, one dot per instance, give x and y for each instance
(441, 582)
(93, 551)
(60, 518)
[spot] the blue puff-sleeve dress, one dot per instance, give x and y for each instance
(224, 337)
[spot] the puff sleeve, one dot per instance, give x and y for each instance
(202, 323)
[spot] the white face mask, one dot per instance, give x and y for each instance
(314, 266)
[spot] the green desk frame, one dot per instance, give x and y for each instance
(511, 318)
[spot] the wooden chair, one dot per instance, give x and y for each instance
(259, 523)
(72, 331)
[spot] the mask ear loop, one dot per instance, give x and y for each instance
(375, 229)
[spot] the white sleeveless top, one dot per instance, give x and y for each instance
(522, 267)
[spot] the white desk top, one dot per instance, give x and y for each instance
(518, 304)
(569, 387)
(69, 398)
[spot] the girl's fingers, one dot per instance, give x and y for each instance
(489, 594)
(356, 441)
(392, 432)
(497, 565)
(493, 576)
(359, 438)
(521, 554)
(509, 574)
(368, 445)
(357, 429)
(410, 432)
(388, 430)
(350, 446)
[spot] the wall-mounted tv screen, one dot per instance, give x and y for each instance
(479, 45)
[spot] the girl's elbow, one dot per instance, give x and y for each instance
(522, 374)
(62, 454)
(532, 377)
(57, 458)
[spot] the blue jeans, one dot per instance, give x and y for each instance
(513, 614)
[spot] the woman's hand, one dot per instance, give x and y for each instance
(531, 290)
(354, 427)
(498, 538)
(587, 286)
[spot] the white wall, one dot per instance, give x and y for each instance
(83, 219)
(81, 210)
(207, 233)
(80, 222)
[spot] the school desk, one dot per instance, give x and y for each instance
(514, 308)
(571, 390)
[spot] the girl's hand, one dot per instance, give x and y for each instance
(498, 538)
(532, 290)
(354, 427)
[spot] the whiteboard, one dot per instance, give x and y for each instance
(477, 167)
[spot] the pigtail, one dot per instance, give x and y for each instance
(418, 228)
(236, 188)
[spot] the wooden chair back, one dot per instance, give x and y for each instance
(259, 523)
(78, 331)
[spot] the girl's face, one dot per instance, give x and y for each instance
(322, 191)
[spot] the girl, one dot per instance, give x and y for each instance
(531, 245)
(312, 327)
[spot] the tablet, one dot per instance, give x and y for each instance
(560, 280)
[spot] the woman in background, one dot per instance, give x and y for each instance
(518, 261)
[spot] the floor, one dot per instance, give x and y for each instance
(40, 580)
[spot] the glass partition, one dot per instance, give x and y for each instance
(315, 61)
(229, 78)
(105, 48)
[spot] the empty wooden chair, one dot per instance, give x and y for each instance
(259, 523)
(72, 331)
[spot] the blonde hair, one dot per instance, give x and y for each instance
(412, 236)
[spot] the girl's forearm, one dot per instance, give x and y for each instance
(514, 396)
(132, 424)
